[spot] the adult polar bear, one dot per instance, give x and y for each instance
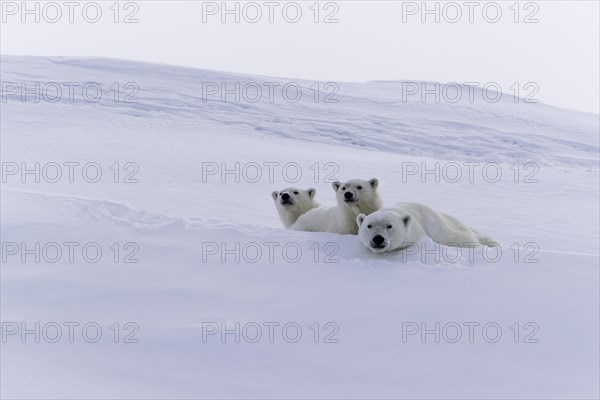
(353, 197)
(405, 224)
(292, 202)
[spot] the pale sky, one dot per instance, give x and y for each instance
(370, 41)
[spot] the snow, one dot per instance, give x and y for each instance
(173, 218)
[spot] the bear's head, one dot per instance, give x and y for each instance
(291, 203)
(358, 193)
(384, 230)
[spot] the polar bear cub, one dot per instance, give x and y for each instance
(292, 202)
(399, 227)
(353, 197)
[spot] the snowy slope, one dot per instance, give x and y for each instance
(172, 217)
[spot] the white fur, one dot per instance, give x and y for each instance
(405, 224)
(299, 202)
(362, 198)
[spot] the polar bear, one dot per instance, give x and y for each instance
(399, 227)
(353, 197)
(293, 202)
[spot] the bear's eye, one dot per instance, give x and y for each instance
(295, 192)
(359, 187)
(344, 188)
(369, 226)
(389, 227)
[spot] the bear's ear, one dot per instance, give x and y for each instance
(336, 185)
(274, 195)
(311, 192)
(406, 220)
(374, 182)
(360, 219)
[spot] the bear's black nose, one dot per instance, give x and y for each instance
(378, 240)
(285, 196)
(348, 196)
